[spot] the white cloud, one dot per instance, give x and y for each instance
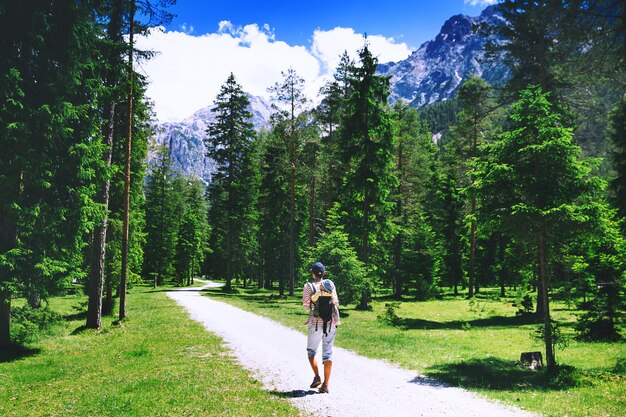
(480, 2)
(329, 45)
(188, 71)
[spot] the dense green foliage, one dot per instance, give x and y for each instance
(63, 118)
(493, 188)
(232, 194)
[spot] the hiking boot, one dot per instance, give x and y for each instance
(324, 389)
(316, 382)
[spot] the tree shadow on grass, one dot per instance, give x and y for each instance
(494, 321)
(81, 315)
(14, 352)
(501, 375)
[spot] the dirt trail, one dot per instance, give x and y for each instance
(359, 387)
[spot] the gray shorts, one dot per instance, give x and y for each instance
(316, 336)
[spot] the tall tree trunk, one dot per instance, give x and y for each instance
(292, 197)
(292, 225)
(34, 298)
(125, 231)
(229, 252)
(98, 248)
(538, 286)
(5, 316)
(398, 239)
(107, 304)
(312, 212)
(398, 282)
(8, 241)
(472, 254)
(550, 359)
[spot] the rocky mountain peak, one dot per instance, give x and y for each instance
(436, 70)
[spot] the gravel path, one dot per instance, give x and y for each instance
(359, 387)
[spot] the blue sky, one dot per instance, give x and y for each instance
(257, 40)
(409, 21)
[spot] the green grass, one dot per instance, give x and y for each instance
(474, 345)
(158, 362)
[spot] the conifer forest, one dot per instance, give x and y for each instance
(519, 186)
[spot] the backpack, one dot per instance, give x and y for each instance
(322, 308)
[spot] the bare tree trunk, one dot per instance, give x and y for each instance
(550, 359)
(107, 304)
(5, 317)
(472, 254)
(98, 248)
(124, 275)
(312, 212)
(34, 298)
(292, 226)
(8, 236)
(398, 239)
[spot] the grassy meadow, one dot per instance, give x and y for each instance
(474, 344)
(156, 363)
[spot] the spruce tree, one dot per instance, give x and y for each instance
(618, 141)
(414, 154)
(49, 123)
(534, 180)
(367, 152)
(111, 44)
(290, 99)
(231, 144)
(472, 126)
(192, 232)
(161, 224)
(331, 114)
(273, 206)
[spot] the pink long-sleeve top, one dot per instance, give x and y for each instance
(307, 304)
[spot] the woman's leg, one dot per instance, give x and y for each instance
(327, 355)
(313, 341)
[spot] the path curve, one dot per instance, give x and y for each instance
(360, 387)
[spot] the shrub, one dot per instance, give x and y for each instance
(28, 323)
(599, 322)
(390, 316)
(343, 267)
(524, 304)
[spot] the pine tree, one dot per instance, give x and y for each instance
(414, 159)
(49, 123)
(290, 94)
(533, 178)
(331, 114)
(273, 206)
(367, 152)
(111, 77)
(231, 144)
(475, 103)
(534, 47)
(618, 139)
(192, 232)
(161, 224)
(342, 264)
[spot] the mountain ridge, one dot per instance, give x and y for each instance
(431, 74)
(436, 70)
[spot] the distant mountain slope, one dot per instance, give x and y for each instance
(431, 74)
(436, 70)
(185, 139)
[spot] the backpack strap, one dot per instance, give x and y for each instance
(312, 287)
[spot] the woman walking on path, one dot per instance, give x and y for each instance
(319, 295)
